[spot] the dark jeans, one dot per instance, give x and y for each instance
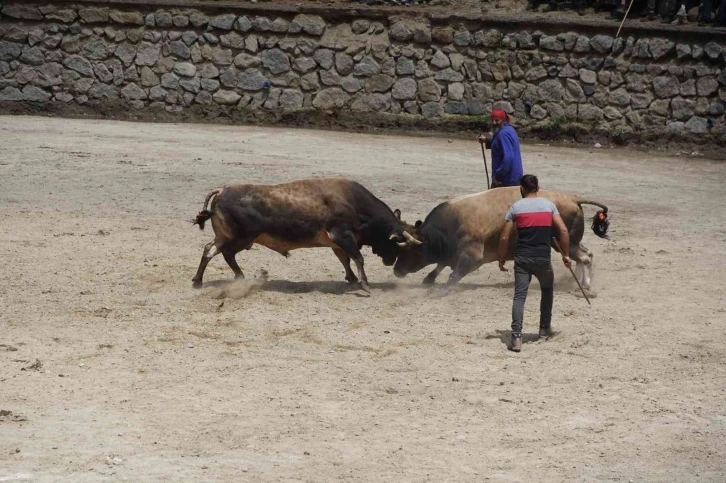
(707, 12)
(524, 268)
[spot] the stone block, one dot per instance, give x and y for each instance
(331, 98)
(126, 18)
(666, 86)
(276, 61)
(309, 24)
(432, 109)
(223, 22)
(227, 98)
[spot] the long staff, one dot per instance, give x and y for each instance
(624, 17)
(557, 245)
(486, 168)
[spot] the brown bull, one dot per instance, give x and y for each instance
(464, 234)
(325, 212)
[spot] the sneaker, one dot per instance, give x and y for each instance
(515, 345)
(545, 333)
(681, 15)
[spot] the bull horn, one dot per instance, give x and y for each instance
(411, 238)
(402, 244)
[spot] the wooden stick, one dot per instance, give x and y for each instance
(557, 245)
(624, 17)
(486, 168)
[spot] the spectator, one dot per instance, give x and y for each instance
(705, 16)
(673, 11)
(650, 9)
(618, 9)
(721, 15)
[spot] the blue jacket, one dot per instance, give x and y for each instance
(506, 158)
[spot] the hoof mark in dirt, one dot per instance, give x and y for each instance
(35, 366)
(237, 289)
(8, 416)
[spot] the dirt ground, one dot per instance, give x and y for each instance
(112, 368)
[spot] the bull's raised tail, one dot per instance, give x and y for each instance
(600, 222)
(206, 213)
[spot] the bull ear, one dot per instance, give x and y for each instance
(397, 212)
(418, 224)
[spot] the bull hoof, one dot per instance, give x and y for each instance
(365, 287)
(428, 281)
(351, 279)
(197, 284)
(590, 293)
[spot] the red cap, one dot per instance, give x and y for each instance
(499, 115)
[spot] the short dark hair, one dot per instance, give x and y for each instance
(529, 183)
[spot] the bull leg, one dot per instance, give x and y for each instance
(348, 244)
(583, 268)
(345, 260)
(211, 249)
(431, 277)
(469, 260)
(229, 257)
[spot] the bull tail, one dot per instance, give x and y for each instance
(600, 222)
(206, 213)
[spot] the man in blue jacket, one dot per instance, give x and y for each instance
(506, 158)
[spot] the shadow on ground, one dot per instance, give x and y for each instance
(504, 335)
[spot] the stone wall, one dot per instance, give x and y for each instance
(132, 61)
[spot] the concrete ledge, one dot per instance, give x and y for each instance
(520, 20)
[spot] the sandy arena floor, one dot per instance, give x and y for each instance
(112, 368)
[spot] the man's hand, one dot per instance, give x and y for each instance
(486, 140)
(502, 267)
(567, 262)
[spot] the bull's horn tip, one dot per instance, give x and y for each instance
(411, 238)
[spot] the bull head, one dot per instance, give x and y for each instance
(412, 255)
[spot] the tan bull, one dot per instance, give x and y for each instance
(464, 234)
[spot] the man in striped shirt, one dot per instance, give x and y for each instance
(533, 217)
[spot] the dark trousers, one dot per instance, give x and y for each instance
(524, 268)
(721, 14)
